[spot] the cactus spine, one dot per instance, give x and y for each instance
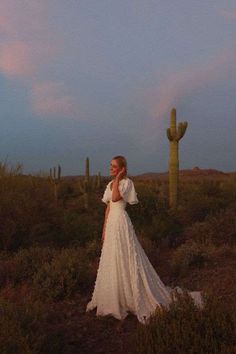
(55, 178)
(174, 135)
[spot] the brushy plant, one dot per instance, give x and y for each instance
(200, 199)
(80, 228)
(219, 229)
(24, 203)
(22, 265)
(93, 248)
(164, 226)
(190, 255)
(147, 205)
(20, 331)
(26, 328)
(67, 272)
(185, 328)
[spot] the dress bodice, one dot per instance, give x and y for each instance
(118, 205)
(127, 192)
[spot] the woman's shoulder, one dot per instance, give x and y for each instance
(125, 180)
(128, 179)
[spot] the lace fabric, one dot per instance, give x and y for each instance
(126, 280)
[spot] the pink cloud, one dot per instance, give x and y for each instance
(28, 43)
(16, 59)
(28, 48)
(228, 15)
(52, 98)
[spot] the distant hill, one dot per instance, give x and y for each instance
(196, 171)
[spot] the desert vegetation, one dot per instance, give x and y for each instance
(49, 252)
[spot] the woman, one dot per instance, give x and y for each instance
(126, 280)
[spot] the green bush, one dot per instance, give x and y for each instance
(190, 255)
(228, 189)
(80, 228)
(164, 226)
(24, 202)
(66, 273)
(197, 200)
(184, 328)
(93, 248)
(24, 264)
(21, 326)
(219, 229)
(26, 328)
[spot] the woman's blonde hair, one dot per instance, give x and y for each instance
(122, 162)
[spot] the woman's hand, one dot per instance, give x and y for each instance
(121, 174)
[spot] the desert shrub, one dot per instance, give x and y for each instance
(197, 208)
(147, 205)
(150, 247)
(67, 272)
(24, 202)
(80, 227)
(46, 233)
(25, 328)
(210, 187)
(184, 328)
(164, 225)
(190, 255)
(218, 229)
(93, 248)
(19, 326)
(23, 264)
(197, 200)
(228, 188)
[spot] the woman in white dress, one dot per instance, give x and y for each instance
(126, 280)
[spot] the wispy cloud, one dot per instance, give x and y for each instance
(28, 41)
(228, 15)
(16, 59)
(29, 45)
(50, 97)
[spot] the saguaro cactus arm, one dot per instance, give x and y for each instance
(168, 133)
(181, 130)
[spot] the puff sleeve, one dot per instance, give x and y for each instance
(106, 195)
(127, 191)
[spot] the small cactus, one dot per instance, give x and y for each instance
(55, 178)
(85, 185)
(174, 135)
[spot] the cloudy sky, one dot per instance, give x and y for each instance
(98, 78)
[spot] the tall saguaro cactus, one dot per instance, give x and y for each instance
(174, 135)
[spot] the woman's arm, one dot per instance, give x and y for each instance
(105, 221)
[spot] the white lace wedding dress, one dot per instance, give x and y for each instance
(126, 280)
